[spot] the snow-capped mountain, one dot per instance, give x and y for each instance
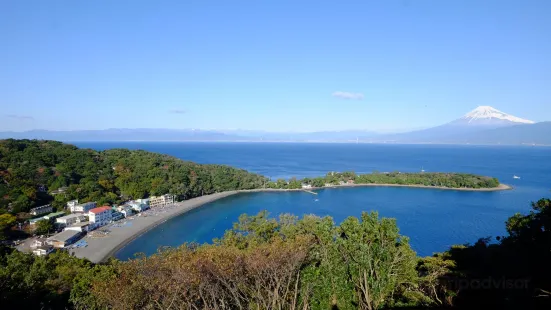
(489, 116)
(478, 120)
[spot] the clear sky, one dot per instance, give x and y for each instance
(272, 65)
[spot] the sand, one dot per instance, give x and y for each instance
(100, 249)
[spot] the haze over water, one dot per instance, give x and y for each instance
(433, 219)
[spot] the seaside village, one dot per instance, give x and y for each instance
(87, 219)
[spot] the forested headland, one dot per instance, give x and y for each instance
(292, 263)
(35, 172)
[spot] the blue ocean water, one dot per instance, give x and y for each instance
(433, 219)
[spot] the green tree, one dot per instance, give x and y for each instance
(44, 227)
(6, 222)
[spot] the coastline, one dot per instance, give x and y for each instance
(100, 249)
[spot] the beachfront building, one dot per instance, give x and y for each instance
(144, 201)
(41, 210)
(138, 207)
(72, 204)
(116, 215)
(126, 210)
(64, 238)
(81, 227)
(350, 182)
(83, 208)
(306, 186)
(161, 201)
(71, 219)
(100, 216)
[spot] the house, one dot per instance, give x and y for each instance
(144, 201)
(83, 208)
(41, 210)
(72, 204)
(138, 207)
(53, 216)
(81, 227)
(350, 182)
(328, 184)
(100, 216)
(161, 201)
(64, 238)
(306, 186)
(71, 219)
(126, 210)
(341, 183)
(43, 250)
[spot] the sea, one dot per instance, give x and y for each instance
(433, 219)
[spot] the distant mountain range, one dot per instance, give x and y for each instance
(483, 125)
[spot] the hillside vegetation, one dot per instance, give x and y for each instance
(31, 169)
(290, 263)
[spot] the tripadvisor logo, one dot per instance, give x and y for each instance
(487, 283)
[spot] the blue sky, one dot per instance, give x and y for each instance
(271, 65)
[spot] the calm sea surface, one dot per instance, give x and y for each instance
(433, 219)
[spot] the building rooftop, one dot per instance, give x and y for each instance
(71, 216)
(55, 214)
(41, 207)
(100, 209)
(64, 235)
(81, 224)
(36, 219)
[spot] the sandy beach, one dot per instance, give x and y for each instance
(120, 233)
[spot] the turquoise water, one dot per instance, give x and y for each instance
(433, 219)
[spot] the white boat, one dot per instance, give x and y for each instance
(516, 177)
(422, 169)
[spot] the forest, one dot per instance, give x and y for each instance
(291, 263)
(32, 170)
(37, 172)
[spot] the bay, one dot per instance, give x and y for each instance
(433, 219)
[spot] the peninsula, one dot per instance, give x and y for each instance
(48, 176)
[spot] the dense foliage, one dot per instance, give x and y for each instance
(30, 170)
(438, 179)
(292, 263)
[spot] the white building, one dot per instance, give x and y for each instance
(138, 207)
(144, 201)
(306, 186)
(72, 204)
(83, 208)
(161, 201)
(41, 210)
(43, 250)
(71, 219)
(100, 216)
(126, 210)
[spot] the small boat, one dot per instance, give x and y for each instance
(516, 177)
(422, 169)
(316, 200)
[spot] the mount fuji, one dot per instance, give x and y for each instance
(489, 117)
(462, 130)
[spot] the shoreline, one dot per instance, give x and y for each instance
(101, 249)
